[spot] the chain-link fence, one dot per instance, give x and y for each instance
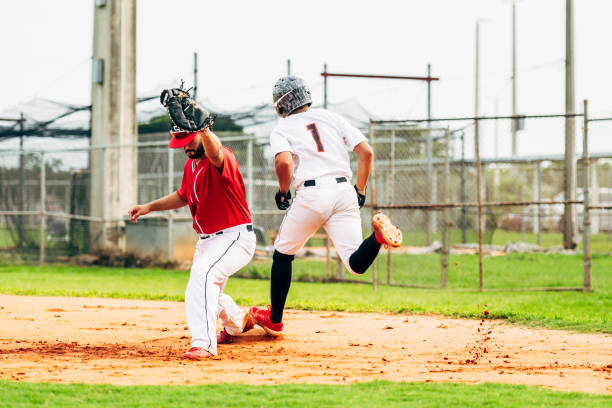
(83, 208)
(428, 179)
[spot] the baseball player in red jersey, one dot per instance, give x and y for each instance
(213, 188)
(311, 147)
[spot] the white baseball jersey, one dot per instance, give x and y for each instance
(319, 142)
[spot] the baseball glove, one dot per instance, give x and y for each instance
(184, 111)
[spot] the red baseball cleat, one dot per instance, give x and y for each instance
(197, 353)
(224, 337)
(261, 317)
(248, 322)
(385, 231)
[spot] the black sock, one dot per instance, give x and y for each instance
(280, 281)
(363, 257)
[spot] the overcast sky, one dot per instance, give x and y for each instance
(243, 47)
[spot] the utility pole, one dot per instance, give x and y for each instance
(114, 171)
(288, 67)
(477, 154)
(569, 215)
(195, 76)
(430, 215)
(514, 122)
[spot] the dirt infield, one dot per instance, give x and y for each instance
(140, 342)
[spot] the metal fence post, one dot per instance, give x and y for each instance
(586, 216)
(479, 200)
(170, 215)
(42, 208)
(250, 180)
(104, 194)
(445, 221)
(21, 207)
(429, 170)
(327, 257)
(538, 195)
(524, 212)
(391, 183)
(373, 199)
(325, 86)
(483, 189)
(463, 209)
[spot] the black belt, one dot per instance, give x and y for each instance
(312, 183)
(249, 228)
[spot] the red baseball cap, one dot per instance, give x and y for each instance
(180, 138)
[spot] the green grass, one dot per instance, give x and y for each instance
(589, 312)
(600, 243)
(510, 271)
(370, 394)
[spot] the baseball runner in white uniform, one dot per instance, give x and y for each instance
(311, 146)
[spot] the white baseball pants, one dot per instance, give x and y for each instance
(216, 258)
(329, 204)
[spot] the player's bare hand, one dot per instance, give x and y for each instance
(138, 211)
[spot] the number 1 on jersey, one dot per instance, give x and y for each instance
(315, 135)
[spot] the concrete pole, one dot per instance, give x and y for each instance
(514, 122)
(195, 76)
(113, 119)
(569, 179)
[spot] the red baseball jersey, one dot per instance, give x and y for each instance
(216, 197)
